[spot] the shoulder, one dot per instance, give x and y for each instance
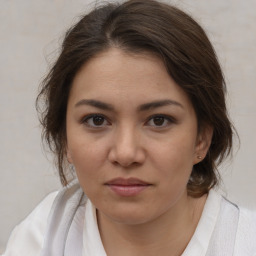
(245, 239)
(39, 233)
(27, 237)
(246, 233)
(235, 228)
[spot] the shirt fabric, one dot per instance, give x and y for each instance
(83, 237)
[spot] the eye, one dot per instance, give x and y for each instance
(160, 121)
(95, 121)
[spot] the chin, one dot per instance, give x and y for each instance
(130, 215)
(131, 220)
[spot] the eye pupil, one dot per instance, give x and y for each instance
(159, 121)
(98, 120)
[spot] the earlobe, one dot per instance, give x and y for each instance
(69, 158)
(204, 140)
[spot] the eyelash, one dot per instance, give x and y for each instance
(86, 119)
(168, 119)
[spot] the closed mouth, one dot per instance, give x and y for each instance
(127, 182)
(127, 187)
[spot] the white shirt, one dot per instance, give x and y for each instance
(28, 237)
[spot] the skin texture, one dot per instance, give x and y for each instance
(132, 138)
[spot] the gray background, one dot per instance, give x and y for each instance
(30, 33)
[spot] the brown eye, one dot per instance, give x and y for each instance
(98, 120)
(95, 121)
(158, 121)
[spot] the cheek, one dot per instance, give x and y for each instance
(174, 154)
(85, 148)
(174, 164)
(87, 164)
(86, 158)
(86, 155)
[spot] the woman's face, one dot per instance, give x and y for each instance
(132, 136)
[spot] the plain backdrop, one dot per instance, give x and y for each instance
(30, 33)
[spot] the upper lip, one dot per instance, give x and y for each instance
(127, 182)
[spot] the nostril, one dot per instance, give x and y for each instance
(126, 151)
(125, 161)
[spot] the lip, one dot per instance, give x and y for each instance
(127, 187)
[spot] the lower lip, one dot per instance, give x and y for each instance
(132, 190)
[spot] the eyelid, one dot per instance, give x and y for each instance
(170, 119)
(85, 118)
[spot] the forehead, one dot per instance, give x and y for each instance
(117, 76)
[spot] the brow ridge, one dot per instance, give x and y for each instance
(143, 107)
(159, 103)
(95, 103)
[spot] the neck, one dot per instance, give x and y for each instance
(169, 234)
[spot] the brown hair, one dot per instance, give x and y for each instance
(139, 26)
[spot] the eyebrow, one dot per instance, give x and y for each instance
(143, 107)
(157, 104)
(95, 103)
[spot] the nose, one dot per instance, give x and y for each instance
(126, 149)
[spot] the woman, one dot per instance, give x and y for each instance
(135, 105)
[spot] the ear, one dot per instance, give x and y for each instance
(203, 143)
(68, 155)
